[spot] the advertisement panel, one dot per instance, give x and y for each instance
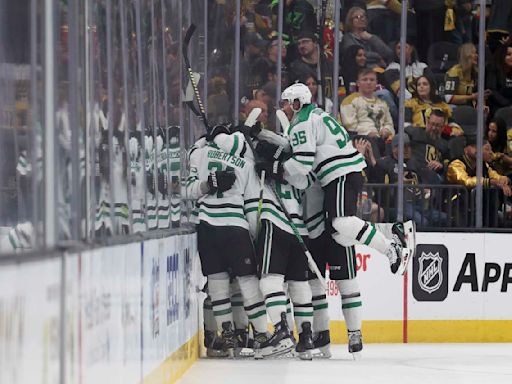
(30, 322)
(461, 276)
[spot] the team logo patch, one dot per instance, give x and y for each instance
(430, 271)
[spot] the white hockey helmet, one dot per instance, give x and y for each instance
(297, 91)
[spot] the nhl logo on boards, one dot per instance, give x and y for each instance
(430, 269)
(430, 275)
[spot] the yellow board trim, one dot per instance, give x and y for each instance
(428, 331)
(176, 364)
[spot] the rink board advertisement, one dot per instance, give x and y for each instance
(458, 288)
(130, 315)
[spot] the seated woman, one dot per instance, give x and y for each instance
(497, 136)
(417, 109)
(461, 79)
(356, 33)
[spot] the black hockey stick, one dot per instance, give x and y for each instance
(201, 113)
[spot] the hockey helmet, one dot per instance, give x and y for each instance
(297, 91)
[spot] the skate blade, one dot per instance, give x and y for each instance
(406, 258)
(284, 347)
(306, 355)
(410, 235)
(322, 352)
(244, 352)
(357, 356)
(216, 354)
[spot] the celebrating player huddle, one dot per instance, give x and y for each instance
(272, 211)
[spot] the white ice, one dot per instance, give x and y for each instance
(380, 363)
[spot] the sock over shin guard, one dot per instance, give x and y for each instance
(351, 230)
(237, 305)
(218, 288)
(351, 303)
(272, 288)
(300, 294)
(253, 302)
(320, 306)
(209, 319)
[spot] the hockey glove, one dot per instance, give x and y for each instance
(271, 152)
(221, 181)
(273, 169)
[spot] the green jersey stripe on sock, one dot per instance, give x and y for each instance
(223, 312)
(352, 305)
(274, 303)
(257, 314)
(321, 306)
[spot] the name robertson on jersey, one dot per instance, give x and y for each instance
(224, 156)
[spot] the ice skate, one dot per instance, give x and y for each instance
(214, 345)
(322, 342)
(355, 344)
(305, 344)
(244, 346)
(259, 339)
(280, 342)
(229, 338)
(410, 237)
(394, 254)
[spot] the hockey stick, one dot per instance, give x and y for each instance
(186, 42)
(311, 262)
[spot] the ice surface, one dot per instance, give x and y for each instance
(381, 363)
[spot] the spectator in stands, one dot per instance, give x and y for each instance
(384, 19)
(254, 47)
(462, 171)
(312, 84)
(499, 27)
(356, 24)
(263, 117)
(355, 60)
(364, 147)
(363, 113)
(499, 79)
(266, 66)
(423, 101)
(430, 152)
(299, 16)
(416, 200)
(497, 137)
(461, 79)
(414, 69)
(307, 63)
(430, 18)
(463, 32)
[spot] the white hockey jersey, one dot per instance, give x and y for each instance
(271, 210)
(322, 146)
(221, 208)
(314, 214)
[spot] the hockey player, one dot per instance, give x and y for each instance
(218, 180)
(322, 146)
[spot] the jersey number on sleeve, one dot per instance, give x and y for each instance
(299, 138)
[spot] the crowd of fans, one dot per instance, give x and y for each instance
(441, 83)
